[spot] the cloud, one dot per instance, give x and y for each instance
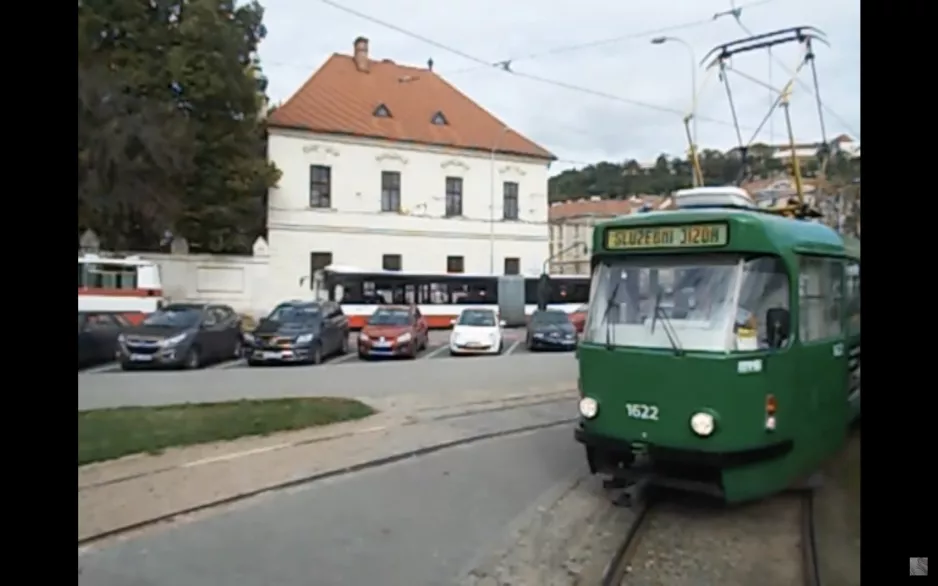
(576, 125)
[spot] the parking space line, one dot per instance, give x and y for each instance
(512, 348)
(109, 367)
(435, 351)
(343, 358)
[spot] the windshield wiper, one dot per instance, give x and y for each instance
(659, 312)
(610, 338)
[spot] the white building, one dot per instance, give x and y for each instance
(389, 167)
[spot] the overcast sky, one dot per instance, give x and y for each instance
(540, 37)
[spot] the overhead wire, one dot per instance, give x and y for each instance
(737, 14)
(506, 66)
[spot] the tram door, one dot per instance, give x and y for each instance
(823, 353)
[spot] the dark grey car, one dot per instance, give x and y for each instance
(551, 329)
(182, 335)
(97, 337)
(304, 332)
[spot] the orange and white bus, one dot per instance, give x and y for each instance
(442, 297)
(127, 285)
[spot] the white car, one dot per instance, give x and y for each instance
(476, 331)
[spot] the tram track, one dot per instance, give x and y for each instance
(771, 543)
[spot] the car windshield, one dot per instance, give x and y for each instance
(290, 313)
(177, 316)
(704, 303)
(477, 318)
(549, 318)
(390, 317)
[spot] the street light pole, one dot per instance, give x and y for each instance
(693, 76)
(495, 145)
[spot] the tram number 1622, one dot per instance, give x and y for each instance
(642, 411)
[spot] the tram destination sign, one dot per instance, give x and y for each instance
(688, 236)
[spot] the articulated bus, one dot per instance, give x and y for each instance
(129, 285)
(441, 297)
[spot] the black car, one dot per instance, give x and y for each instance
(97, 337)
(302, 332)
(182, 335)
(551, 329)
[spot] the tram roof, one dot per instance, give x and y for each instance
(779, 230)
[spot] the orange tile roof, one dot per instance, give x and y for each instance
(342, 96)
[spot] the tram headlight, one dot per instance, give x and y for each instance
(589, 408)
(703, 424)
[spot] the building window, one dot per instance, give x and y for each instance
(510, 200)
(512, 266)
(391, 262)
(320, 186)
(454, 264)
(390, 191)
(453, 197)
(317, 262)
(439, 119)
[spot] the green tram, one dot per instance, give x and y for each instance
(722, 347)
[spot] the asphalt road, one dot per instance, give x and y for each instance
(422, 522)
(433, 371)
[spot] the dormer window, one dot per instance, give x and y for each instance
(382, 112)
(439, 119)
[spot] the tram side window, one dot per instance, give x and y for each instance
(820, 297)
(765, 286)
(853, 297)
(105, 276)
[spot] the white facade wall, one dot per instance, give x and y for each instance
(357, 233)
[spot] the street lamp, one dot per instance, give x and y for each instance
(495, 144)
(693, 75)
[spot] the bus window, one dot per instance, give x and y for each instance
(105, 276)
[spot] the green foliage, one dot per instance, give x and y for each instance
(170, 129)
(669, 174)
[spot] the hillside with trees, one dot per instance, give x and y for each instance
(171, 141)
(616, 180)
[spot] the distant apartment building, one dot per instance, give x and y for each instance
(807, 152)
(571, 229)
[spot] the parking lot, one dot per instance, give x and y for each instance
(437, 349)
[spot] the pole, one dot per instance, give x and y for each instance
(693, 76)
(495, 144)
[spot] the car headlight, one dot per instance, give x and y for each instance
(703, 424)
(363, 337)
(404, 338)
(589, 408)
(538, 335)
(304, 338)
(174, 340)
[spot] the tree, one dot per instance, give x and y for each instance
(187, 74)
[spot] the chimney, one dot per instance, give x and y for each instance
(430, 64)
(361, 54)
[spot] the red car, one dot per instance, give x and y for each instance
(392, 331)
(578, 318)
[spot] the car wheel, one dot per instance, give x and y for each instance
(364, 357)
(125, 366)
(192, 360)
(316, 357)
(414, 350)
(254, 363)
(501, 346)
(238, 350)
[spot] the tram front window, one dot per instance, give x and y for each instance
(704, 303)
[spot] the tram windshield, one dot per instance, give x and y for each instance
(704, 303)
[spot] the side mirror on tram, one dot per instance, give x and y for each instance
(778, 320)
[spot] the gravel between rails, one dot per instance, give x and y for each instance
(566, 543)
(696, 544)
